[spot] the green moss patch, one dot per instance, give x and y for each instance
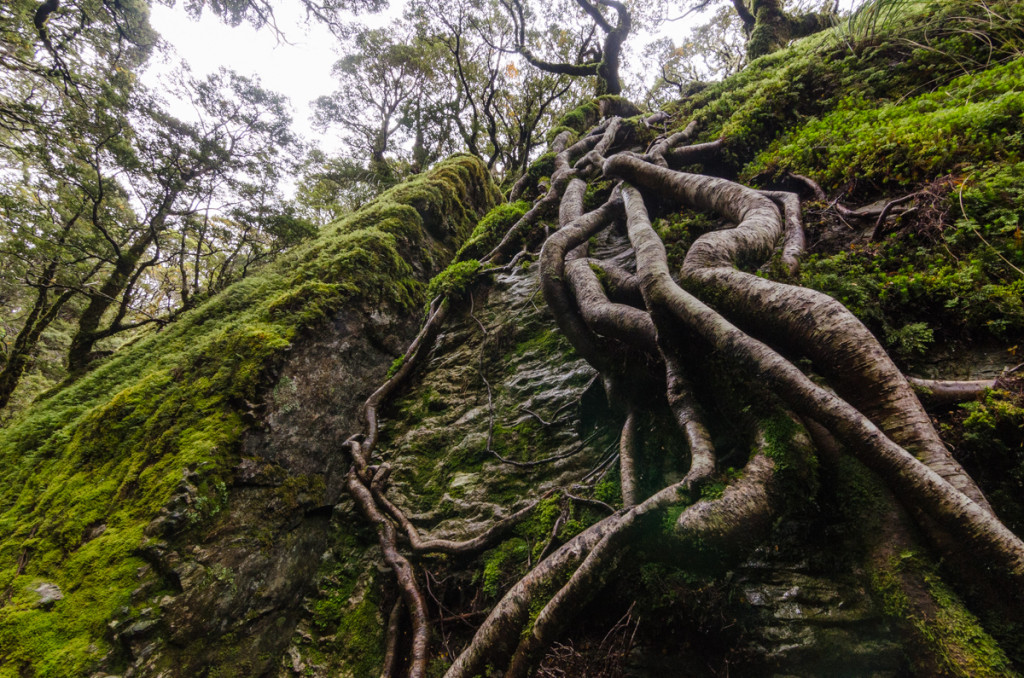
(976, 116)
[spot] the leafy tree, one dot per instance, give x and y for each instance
(384, 103)
(331, 186)
(173, 170)
(65, 47)
(260, 13)
(501, 103)
(768, 25)
(590, 55)
(712, 51)
(100, 209)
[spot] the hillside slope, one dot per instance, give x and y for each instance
(190, 498)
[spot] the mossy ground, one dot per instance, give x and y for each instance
(109, 449)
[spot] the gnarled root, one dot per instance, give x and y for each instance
(800, 320)
(955, 512)
(644, 328)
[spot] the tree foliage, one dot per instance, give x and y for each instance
(711, 51)
(105, 193)
(771, 24)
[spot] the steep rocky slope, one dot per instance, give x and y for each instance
(183, 510)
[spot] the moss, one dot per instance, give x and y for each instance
(578, 120)
(503, 565)
(111, 448)
(953, 281)
(805, 82)
(541, 521)
(454, 281)
(311, 300)
(596, 194)
(542, 167)
(615, 105)
(678, 231)
(975, 117)
(609, 491)
(988, 435)
(954, 636)
(395, 365)
(546, 341)
(796, 466)
(347, 608)
(493, 227)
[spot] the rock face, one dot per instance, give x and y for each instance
(498, 363)
(805, 614)
(238, 586)
(499, 372)
(237, 579)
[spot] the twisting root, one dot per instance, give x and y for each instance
(411, 594)
(803, 321)
(559, 180)
(552, 271)
(879, 229)
(627, 460)
(795, 242)
(945, 504)
(625, 323)
(592, 557)
(695, 154)
(419, 347)
(642, 329)
(482, 541)
(689, 421)
(391, 644)
(812, 185)
(619, 285)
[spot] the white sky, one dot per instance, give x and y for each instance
(300, 69)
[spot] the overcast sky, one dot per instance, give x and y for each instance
(300, 68)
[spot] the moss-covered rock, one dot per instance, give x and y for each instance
(86, 470)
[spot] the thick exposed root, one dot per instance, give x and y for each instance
(938, 392)
(644, 328)
(798, 319)
(560, 178)
(389, 670)
(627, 460)
(419, 347)
(794, 243)
(909, 478)
(625, 323)
(406, 578)
(556, 294)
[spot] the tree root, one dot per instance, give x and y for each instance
(804, 321)
(411, 594)
(646, 328)
(937, 392)
(917, 482)
(391, 643)
(627, 460)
